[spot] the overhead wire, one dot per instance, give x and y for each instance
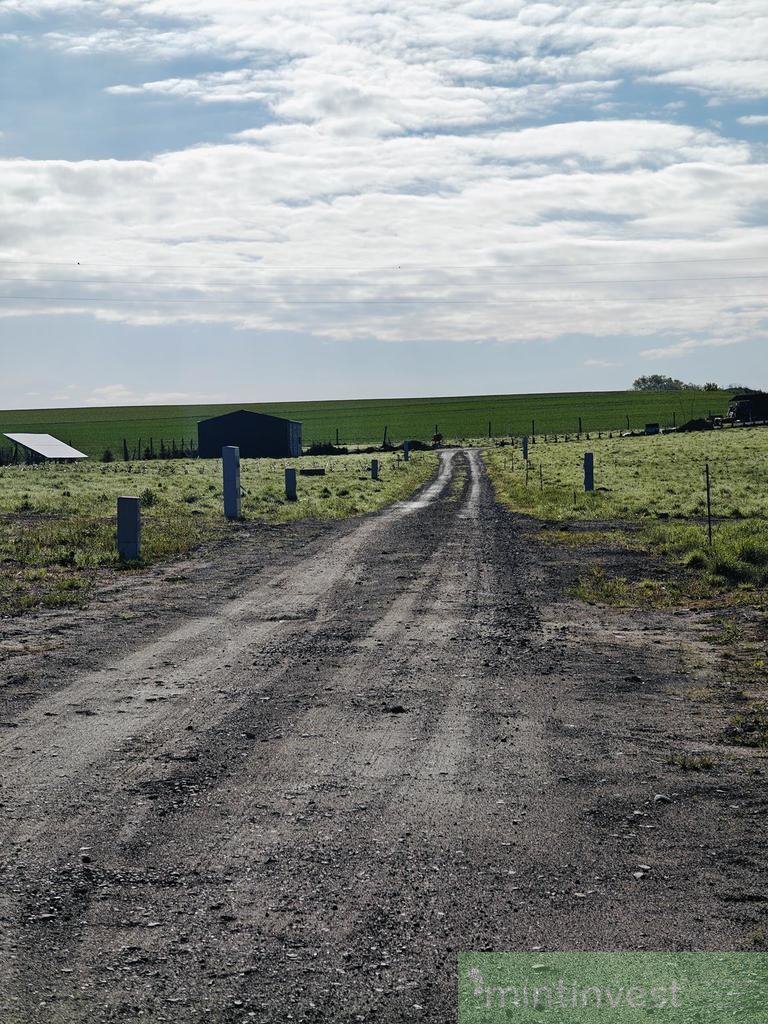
(258, 264)
(373, 301)
(325, 284)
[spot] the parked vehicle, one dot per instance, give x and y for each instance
(748, 408)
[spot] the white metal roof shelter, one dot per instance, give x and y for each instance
(46, 446)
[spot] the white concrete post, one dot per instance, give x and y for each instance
(129, 529)
(290, 484)
(230, 458)
(374, 469)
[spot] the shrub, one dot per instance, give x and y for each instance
(148, 498)
(696, 559)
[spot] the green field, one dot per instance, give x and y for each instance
(656, 484)
(57, 522)
(639, 477)
(362, 422)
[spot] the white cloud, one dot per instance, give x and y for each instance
(754, 119)
(688, 347)
(399, 238)
(602, 364)
(120, 394)
(709, 47)
(110, 394)
(392, 192)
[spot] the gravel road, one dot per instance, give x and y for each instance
(291, 780)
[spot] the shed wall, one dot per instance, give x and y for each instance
(256, 436)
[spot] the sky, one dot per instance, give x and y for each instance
(246, 200)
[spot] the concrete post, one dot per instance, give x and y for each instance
(230, 457)
(129, 529)
(290, 484)
(374, 469)
(589, 471)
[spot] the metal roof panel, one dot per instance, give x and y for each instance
(47, 446)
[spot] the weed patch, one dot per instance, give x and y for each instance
(691, 762)
(738, 556)
(22, 590)
(750, 727)
(597, 587)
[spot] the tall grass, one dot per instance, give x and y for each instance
(194, 486)
(639, 477)
(657, 484)
(738, 555)
(58, 522)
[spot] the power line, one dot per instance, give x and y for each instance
(251, 265)
(325, 284)
(377, 302)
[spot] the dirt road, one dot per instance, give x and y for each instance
(293, 780)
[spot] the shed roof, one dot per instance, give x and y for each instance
(247, 412)
(46, 445)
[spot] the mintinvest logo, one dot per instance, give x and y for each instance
(617, 988)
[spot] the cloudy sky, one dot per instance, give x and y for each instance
(258, 200)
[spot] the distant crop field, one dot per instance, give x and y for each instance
(363, 422)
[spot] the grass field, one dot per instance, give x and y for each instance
(363, 422)
(657, 483)
(57, 523)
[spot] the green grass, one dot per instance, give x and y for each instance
(24, 589)
(739, 554)
(639, 477)
(363, 422)
(750, 729)
(691, 762)
(597, 587)
(656, 483)
(57, 522)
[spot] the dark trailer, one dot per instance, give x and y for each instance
(749, 407)
(256, 434)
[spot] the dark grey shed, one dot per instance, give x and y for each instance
(256, 434)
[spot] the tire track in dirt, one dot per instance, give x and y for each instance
(353, 762)
(366, 774)
(86, 745)
(277, 610)
(390, 759)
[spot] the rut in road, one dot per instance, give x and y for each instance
(157, 763)
(310, 798)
